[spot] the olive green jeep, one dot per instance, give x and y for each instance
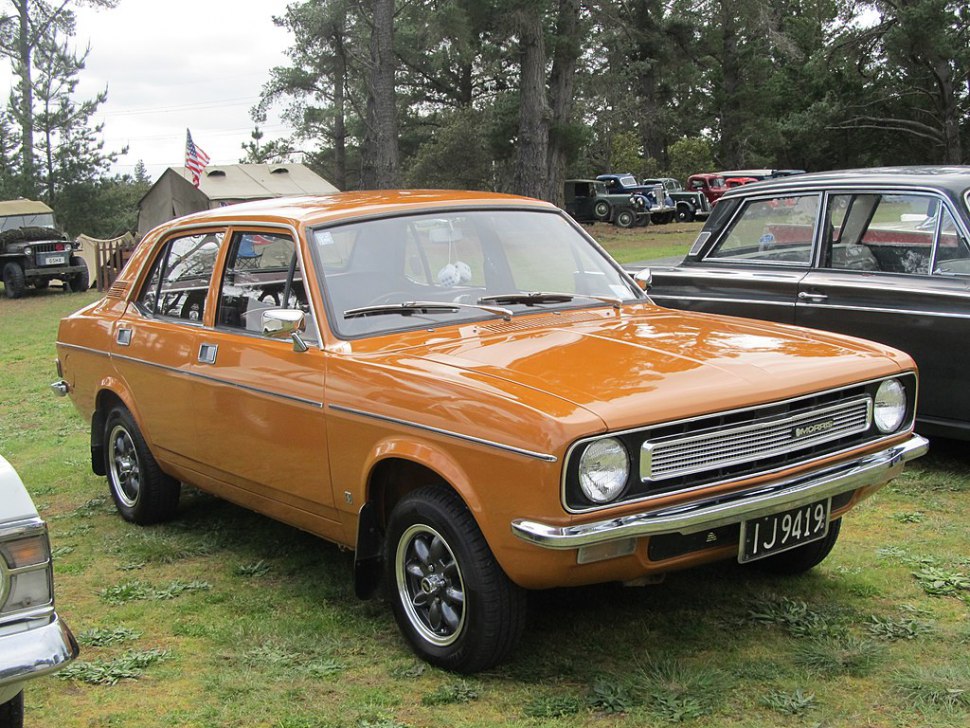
(33, 252)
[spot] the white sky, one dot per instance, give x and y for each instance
(176, 64)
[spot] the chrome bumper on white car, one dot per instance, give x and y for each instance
(34, 652)
(873, 469)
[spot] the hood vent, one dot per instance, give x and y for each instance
(539, 321)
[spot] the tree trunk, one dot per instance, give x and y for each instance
(732, 152)
(381, 158)
(339, 109)
(25, 63)
(564, 60)
(533, 143)
(950, 113)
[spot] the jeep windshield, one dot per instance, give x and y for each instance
(12, 222)
(401, 266)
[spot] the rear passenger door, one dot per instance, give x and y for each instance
(894, 268)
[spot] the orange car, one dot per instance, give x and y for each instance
(468, 391)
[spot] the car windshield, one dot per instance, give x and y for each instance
(394, 273)
(628, 181)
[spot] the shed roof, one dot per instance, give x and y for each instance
(258, 181)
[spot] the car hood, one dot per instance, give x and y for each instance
(656, 365)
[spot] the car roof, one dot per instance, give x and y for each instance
(953, 178)
(22, 207)
(317, 210)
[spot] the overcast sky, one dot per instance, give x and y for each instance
(180, 64)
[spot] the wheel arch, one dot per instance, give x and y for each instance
(400, 468)
(108, 397)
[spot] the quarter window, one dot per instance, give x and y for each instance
(952, 251)
(179, 282)
(776, 230)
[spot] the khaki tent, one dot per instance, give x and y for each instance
(173, 195)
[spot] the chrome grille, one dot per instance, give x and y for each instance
(681, 455)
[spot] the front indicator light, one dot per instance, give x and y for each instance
(603, 470)
(889, 407)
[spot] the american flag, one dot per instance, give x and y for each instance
(195, 159)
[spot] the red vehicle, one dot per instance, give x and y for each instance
(710, 183)
(732, 182)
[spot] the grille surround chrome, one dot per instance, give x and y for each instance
(715, 448)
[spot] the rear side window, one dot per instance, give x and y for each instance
(181, 276)
(773, 230)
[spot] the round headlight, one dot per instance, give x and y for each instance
(27, 250)
(889, 408)
(603, 470)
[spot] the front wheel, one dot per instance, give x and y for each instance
(601, 210)
(801, 559)
(12, 712)
(625, 218)
(142, 493)
(451, 599)
(79, 281)
(14, 283)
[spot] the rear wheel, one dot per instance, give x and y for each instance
(685, 213)
(451, 599)
(801, 559)
(12, 712)
(142, 493)
(41, 284)
(14, 284)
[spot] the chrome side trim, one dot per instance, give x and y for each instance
(87, 349)
(875, 469)
(217, 380)
(447, 433)
(871, 309)
(36, 652)
(712, 299)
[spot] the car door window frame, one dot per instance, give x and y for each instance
(945, 204)
(744, 205)
(162, 259)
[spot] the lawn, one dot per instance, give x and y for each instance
(226, 618)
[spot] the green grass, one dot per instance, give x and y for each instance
(226, 618)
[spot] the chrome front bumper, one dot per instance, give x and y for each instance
(35, 652)
(701, 515)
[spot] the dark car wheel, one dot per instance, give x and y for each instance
(14, 284)
(625, 218)
(12, 712)
(685, 213)
(41, 284)
(79, 281)
(142, 493)
(801, 559)
(601, 210)
(451, 599)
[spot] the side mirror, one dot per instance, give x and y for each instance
(285, 323)
(644, 279)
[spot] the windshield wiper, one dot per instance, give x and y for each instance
(409, 308)
(536, 297)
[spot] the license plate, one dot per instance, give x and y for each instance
(55, 260)
(772, 534)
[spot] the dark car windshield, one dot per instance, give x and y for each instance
(460, 257)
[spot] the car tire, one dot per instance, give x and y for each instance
(452, 601)
(601, 210)
(142, 493)
(685, 213)
(79, 281)
(41, 284)
(12, 712)
(625, 218)
(801, 559)
(14, 284)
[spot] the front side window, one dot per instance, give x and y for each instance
(465, 263)
(262, 272)
(892, 233)
(778, 230)
(179, 282)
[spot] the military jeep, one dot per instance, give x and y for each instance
(33, 252)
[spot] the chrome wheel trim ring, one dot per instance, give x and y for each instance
(124, 466)
(439, 582)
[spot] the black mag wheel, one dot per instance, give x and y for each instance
(451, 599)
(801, 559)
(142, 493)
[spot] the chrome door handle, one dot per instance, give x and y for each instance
(812, 297)
(207, 353)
